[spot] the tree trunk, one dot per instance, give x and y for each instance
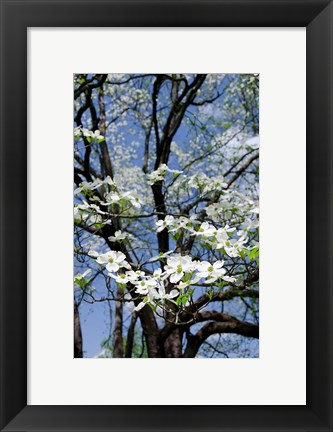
(173, 344)
(77, 334)
(118, 328)
(150, 330)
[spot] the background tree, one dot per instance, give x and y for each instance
(166, 212)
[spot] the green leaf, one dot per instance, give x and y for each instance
(176, 236)
(184, 299)
(254, 253)
(99, 225)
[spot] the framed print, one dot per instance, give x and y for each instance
(248, 365)
(275, 48)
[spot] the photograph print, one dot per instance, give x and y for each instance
(166, 215)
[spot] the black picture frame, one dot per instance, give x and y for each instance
(16, 17)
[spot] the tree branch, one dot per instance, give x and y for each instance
(226, 324)
(89, 85)
(106, 160)
(242, 168)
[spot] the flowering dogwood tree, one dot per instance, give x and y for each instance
(166, 212)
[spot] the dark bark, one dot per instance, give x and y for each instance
(163, 236)
(78, 353)
(78, 120)
(90, 84)
(151, 332)
(118, 349)
(156, 88)
(130, 336)
(146, 153)
(106, 160)
(173, 344)
(174, 119)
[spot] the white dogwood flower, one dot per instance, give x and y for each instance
(161, 224)
(233, 246)
(165, 296)
(211, 272)
(207, 230)
(113, 260)
(143, 286)
(181, 285)
(129, 276)
(177, 266)
(134, 275)
(160, 173)
(119, 235)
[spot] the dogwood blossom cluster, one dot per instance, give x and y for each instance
(160, 173)
(206, 184)
(232, 205)
(116, 197)
(112, 197)
(167, 283)
(174, 224)
(86, 188)
(91, 212)
(89, 135)
(217, 238)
